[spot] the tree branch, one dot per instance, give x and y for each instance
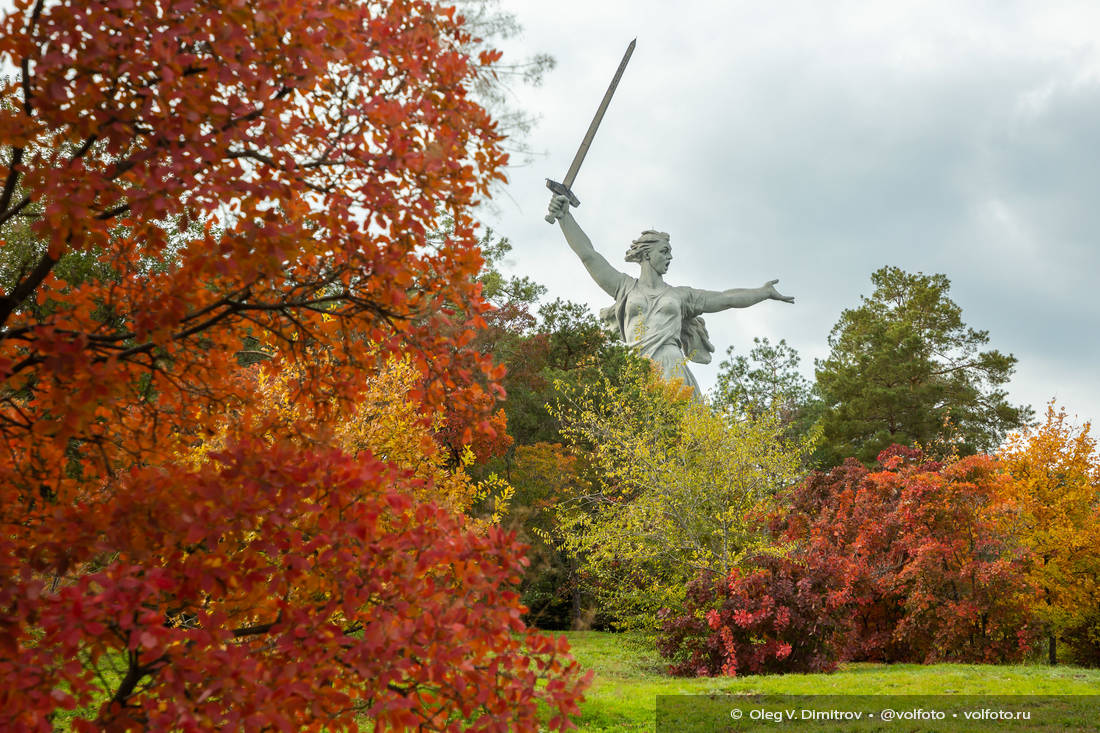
(9, 183)
(13, 211)
(258, 628)
(25, 288)
(112, 213)
(254, 630)
(25, 64)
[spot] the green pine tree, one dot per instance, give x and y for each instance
(904, 368)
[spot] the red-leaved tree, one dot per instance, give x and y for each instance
(927, 573)
(907, 563)
(182, 179)
(848, 522)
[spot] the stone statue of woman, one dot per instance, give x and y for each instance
(661, 321)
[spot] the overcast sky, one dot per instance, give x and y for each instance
(818, 141)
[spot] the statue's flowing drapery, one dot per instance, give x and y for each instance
(663, 324)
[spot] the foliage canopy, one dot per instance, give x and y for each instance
(267, 175)
(680, 488)
(1055, 498)
(905, 369)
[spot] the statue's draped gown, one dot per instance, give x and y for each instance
(663, 324)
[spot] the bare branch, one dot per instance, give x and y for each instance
(10, 183)
(25, 288)
(13, 211)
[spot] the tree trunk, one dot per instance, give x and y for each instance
(1052, 647)
(577, 623)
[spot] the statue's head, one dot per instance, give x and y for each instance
(653, 247)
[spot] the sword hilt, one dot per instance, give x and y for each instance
(562, 190)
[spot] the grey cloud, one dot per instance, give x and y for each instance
(947, 138)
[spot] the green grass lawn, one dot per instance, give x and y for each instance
(629, 675)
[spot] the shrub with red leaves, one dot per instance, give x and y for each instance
(927, 574)
(906, 563)
(779, 616)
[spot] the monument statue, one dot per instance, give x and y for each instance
(661, 321)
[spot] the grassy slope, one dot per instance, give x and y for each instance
(630, 675)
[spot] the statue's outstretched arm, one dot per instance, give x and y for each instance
(606, 276)
(714, 301)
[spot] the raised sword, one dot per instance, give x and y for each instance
(565, 187)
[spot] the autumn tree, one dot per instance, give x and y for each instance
(542, 476)
(681, 489)
(267, 173)
(777, 615)
(337, 150)
(541, 344)
(384, 423)
(904, 368)
(568, 346)
(920, 557)
(966, 591)
(1056, 513)
(906, 562)
(538, 343)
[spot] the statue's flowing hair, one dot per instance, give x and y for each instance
(639, 248)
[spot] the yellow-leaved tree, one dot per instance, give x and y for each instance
(680, 489)
(1055, 501)
(387, 423)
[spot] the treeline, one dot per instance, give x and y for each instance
(896, 508)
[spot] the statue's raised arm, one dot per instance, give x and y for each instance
(606, 276)
(661, 321)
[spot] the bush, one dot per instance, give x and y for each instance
(921, 556)
(906, 563)
(778, 616)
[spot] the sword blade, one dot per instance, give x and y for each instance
(575, 166)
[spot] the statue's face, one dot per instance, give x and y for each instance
(660, 255)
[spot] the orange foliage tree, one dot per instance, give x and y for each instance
(1055, 500)
(384, 423)
(224, 173)
(913, 557)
